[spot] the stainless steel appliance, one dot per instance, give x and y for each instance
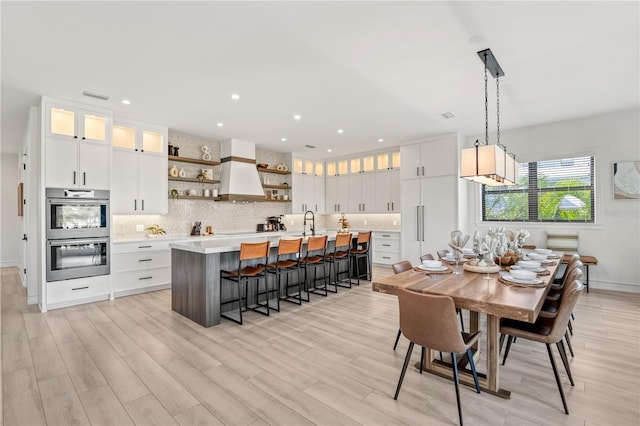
(77, 213)
(77, 233)
(77, 258)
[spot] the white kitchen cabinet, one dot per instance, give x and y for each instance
(70, 121)
(387, 193)
(337, 190)
(60, 294)
(308, 186)
(138, 267)
(429, 214)
(433, 158)
(385, 247)
(139, 183)
(73, 164)
(362, 190)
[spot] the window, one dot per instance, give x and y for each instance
(547, 191)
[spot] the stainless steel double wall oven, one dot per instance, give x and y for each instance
(77, 233)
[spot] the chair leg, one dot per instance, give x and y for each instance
(565, 360)
(570, 327)
(357, 270)
(422, 355)
(502, 336)
(404, 369)
(454, 363)
(472, 363)
(461, 319)
(555, 373)
(566, 337)
(506, 351)
(395, 345)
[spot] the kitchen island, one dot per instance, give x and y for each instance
(195, 272)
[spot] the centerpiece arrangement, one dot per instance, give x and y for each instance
(499, 247)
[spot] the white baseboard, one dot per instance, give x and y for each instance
(614, 286)
(68, 303)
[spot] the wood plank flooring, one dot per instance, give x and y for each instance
(328, 362)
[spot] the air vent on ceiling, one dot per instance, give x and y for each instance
(310, 146)
(448, 115)
(96, 95)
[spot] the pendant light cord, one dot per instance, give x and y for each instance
(498, 108)
(486, 103)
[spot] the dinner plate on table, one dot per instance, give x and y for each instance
(508, 277)
(439, 269)
(528, 269)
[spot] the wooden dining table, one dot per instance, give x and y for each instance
(479, 293)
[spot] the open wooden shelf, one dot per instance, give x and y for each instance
(193, 160)
(274, 171)
(195, 180)
(194, 197)
(266, 186)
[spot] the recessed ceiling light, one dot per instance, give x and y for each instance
(380, 140)
(329, 150)
(235, 96)
(297, 117)
(310, 146)
(126, 101)
(283, 139)
(340, 131)
(448, 115)
(220, 124)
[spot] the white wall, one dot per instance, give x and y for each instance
(10, 224)
(615, 237)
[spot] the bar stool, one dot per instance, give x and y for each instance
(287, 261)
(361, 251)
(245, 272)
(340, 254)
(315, 258)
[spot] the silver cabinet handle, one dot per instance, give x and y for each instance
(135, 204)
(84, 178)
(422, 170)
(422, 223)
(145, 278)
(387, 206)
(392, 208)
(386, 245)
(386, 235)
(145, 260)
(142, 205)
(417, 171)
(74, 178)
(386, 257)
(80, 288)
(418, 223)
(145, 246)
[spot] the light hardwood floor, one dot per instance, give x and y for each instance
(135, 361)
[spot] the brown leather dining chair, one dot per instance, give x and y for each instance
(430, 321)
(402, 266)
(427, 256)
(548, 331)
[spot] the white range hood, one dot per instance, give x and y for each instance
(239, 179)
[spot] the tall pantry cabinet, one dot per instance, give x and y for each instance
(429, 195)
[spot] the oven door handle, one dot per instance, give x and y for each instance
(92, 201)
(77, 241)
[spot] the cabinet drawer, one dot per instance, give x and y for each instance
(121, 262)
(141, 246)
(386, 235)
(386, 245)
(386, 258)
(60, 292)
(135, 280)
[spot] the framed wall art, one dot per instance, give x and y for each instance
(626, 180)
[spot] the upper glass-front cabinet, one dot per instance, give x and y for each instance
(76, 123)
(388, 160)
(137, 137)
(308, 167)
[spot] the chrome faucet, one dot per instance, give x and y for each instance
(313, 224)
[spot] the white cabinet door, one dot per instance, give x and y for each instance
(411, 227)
(383, 192)
(368, 194)
(331, 194)
(440, 157)
(124, 185)
(355, 193)
(297, 193)
(395, 185)
(342, 195)
(440, 212)
(152, 184)
(318, 194)
(94, 166)
(61, 163)
(411, 161)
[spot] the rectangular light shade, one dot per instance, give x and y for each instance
(487, 164)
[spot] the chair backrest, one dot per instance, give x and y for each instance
(442, 253)
(343, 240)
(575, 257)
(427, 256)
(289, 246)
(364, 237)
(569, 274)
(430, 321)
(567, 303)
(250, 251)
(405, 265)
(316, 243)
(574, 274)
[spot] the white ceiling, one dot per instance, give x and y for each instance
(375, 69)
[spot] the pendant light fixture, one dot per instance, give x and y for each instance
(489, 164)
